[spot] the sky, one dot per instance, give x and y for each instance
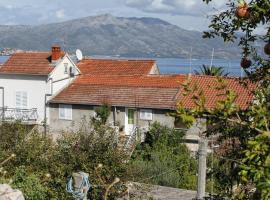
(188, 14)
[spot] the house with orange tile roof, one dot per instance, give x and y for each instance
(137, 100)
(29, 79)
(50, 87)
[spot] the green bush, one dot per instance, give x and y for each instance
(29, 184)
(48, 164)
(164, 160)
(102, 113)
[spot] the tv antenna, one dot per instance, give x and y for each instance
(190, 61)
(79, 55)
(212, 58)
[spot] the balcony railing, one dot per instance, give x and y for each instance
(16, 114)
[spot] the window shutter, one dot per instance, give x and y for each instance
(18, 100)
(24, 100)
(65, 112)
(21, 99)
(146, 114)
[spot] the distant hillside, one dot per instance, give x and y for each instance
(109, 35)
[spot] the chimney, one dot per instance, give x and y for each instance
(56, 52)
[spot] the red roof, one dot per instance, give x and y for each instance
(115, 67)
(30, 63)
(208, 84)
(143, 97)
(157, 81)
(153, 91)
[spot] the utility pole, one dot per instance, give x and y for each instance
(202, 169)
(3, 103)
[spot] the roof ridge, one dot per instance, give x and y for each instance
(126, 86)
(117, 59)
(211, 76)
(20, 52)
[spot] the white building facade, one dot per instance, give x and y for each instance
(29, 79)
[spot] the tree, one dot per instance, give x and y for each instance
(102, 114)
(161, 160)
(244, 134)
(211, 71)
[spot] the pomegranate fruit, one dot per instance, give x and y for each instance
(245, 63)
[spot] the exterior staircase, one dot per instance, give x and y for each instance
(127, 143)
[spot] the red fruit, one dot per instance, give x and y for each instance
(267, 49)
(245, 63)
(242, 11)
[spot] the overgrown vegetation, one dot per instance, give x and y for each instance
(42, 166)
(163, 160)
(102, 114)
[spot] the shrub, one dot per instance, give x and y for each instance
(165, 159)
(42, 166)
(29, 184)
(102, 113)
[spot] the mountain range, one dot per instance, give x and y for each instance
(116, 36)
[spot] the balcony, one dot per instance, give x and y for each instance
(28, 116)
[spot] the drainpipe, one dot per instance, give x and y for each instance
(45, 107)
(114, 116)
(3, 103)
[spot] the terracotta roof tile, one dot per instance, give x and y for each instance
(158, 81)
(207, 84)
(162, 98)
(115, 67)
(32, 63)
(155, 91)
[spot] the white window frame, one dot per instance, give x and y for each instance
(146, 114)
(67, 110)
(23, 99)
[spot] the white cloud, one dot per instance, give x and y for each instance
(137, 3)
(184, 13)
(176, 7)
(60, 14)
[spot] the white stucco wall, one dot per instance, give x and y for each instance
(35, 86)
(59, 78)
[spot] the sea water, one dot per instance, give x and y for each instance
(184, 66)
(179, 65)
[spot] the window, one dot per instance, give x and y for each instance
(21, 100)
(131, 113)
(65, 111)
(146, 114)
(66, 68)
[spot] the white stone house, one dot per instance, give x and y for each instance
(29, 79)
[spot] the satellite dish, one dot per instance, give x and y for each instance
(79, 54)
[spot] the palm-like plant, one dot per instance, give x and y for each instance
(211, 71)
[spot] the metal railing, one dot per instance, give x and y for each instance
(17, 114)
(131, 139)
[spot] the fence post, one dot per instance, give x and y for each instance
(202, 169)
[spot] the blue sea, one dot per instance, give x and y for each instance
(184, 66)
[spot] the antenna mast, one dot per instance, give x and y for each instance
(190, 60)
(212, 58)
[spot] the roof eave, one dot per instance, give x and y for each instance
(26, 74)
(118, 105)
